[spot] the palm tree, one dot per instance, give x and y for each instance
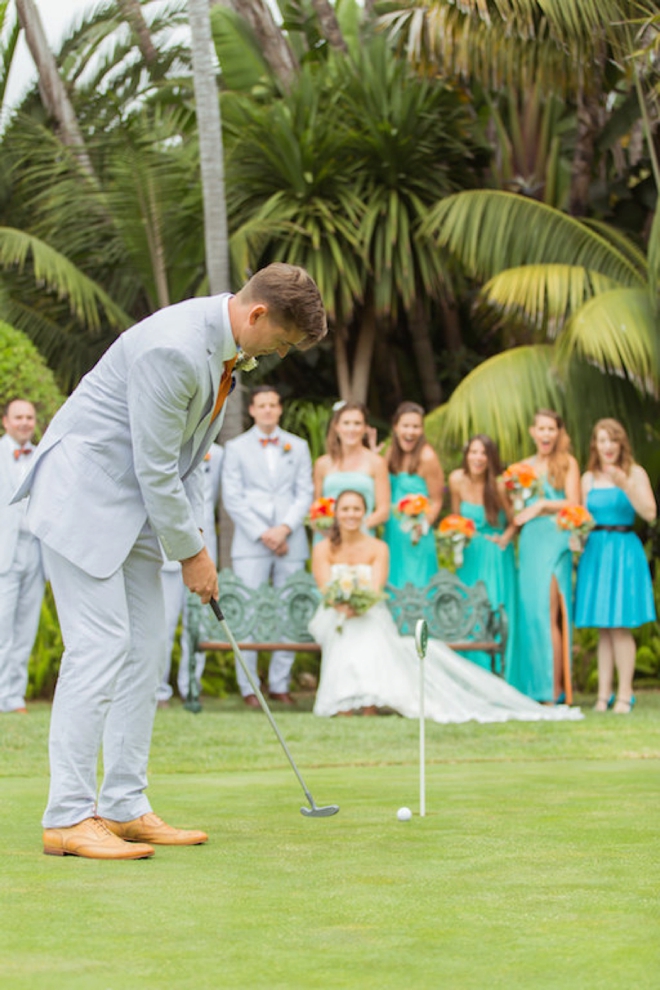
(51, 87)
(579, 300)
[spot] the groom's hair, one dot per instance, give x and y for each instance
(293, 300)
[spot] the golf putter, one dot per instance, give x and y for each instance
(313, 811)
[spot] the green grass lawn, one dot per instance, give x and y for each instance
(536, 865)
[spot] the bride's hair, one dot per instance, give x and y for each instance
(334, 533)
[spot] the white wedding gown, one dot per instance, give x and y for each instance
(366, 662)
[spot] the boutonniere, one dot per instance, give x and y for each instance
(286, 448)
(243, 362)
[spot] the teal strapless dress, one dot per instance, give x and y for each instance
(543, 553)
(413, 563)
(357, 481)
(614, 589)
(484, 561)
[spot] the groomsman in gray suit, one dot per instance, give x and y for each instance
(21, 573)
(117, 476)
(267, 490)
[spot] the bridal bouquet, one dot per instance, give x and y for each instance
(353, 589)
(578, 522)
(454, 533)
(522, 481)
(411, 511)
(321, 514)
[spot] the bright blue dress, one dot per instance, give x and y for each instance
(543, 552)
(484, 561)
(357, 481)
(614, 589)
(413, 563)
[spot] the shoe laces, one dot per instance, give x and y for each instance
(99, 825)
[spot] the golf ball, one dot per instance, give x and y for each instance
(404, 814)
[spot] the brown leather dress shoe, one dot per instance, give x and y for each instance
(151, 828)
(251, 701)
(283, 697)
(92, 839)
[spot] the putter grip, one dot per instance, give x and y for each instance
(217, 611)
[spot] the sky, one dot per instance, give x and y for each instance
(57, 17)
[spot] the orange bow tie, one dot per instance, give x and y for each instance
(21, 450)
(224, 387)
(264, 441)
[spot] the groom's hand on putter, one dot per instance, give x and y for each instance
(200, 576)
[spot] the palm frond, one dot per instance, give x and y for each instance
(87, 301)
(617, 331)
(489, 231)
(500, 398)
(545, 296)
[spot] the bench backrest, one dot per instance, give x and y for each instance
(455, 612)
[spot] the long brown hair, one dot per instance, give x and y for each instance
(332, 441)
(558, 462)
(492, 501)
(617, 433)
(395, 455)
(334, 533)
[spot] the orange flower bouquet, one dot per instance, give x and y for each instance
(523, 482)
(454, 533)
(321, 514)
(578, 522)
(411, 511)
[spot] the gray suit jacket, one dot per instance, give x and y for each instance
(257, 498)
(128, 444)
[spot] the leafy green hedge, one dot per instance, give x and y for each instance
(24, 374)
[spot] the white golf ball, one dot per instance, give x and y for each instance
(404, 814)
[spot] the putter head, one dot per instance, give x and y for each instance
(314, 812)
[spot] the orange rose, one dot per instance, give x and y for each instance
(413, 505)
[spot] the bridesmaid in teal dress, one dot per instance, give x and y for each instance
(478, 494)
(414, 469)
(614, 592)
(541, 664)
(350, 464)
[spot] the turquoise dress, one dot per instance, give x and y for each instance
(614, 589)
(543, 552)
(484, 561)
(357, 481)
(413, 563)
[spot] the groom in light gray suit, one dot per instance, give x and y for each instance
(117, 473)
(267, 491)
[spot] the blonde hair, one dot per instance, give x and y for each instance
(617, 434)
(559, 461)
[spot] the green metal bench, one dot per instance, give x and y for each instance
(270, 618)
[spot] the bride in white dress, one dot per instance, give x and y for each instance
(367, 665)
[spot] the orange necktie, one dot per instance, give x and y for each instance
(223, 389)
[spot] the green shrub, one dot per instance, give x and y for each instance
(46, 653)
(25, 375)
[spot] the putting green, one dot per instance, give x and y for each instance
(531, 868)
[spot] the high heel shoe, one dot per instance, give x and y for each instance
(561, 700)
(611, 700)
(602, 704)
(623, 707)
